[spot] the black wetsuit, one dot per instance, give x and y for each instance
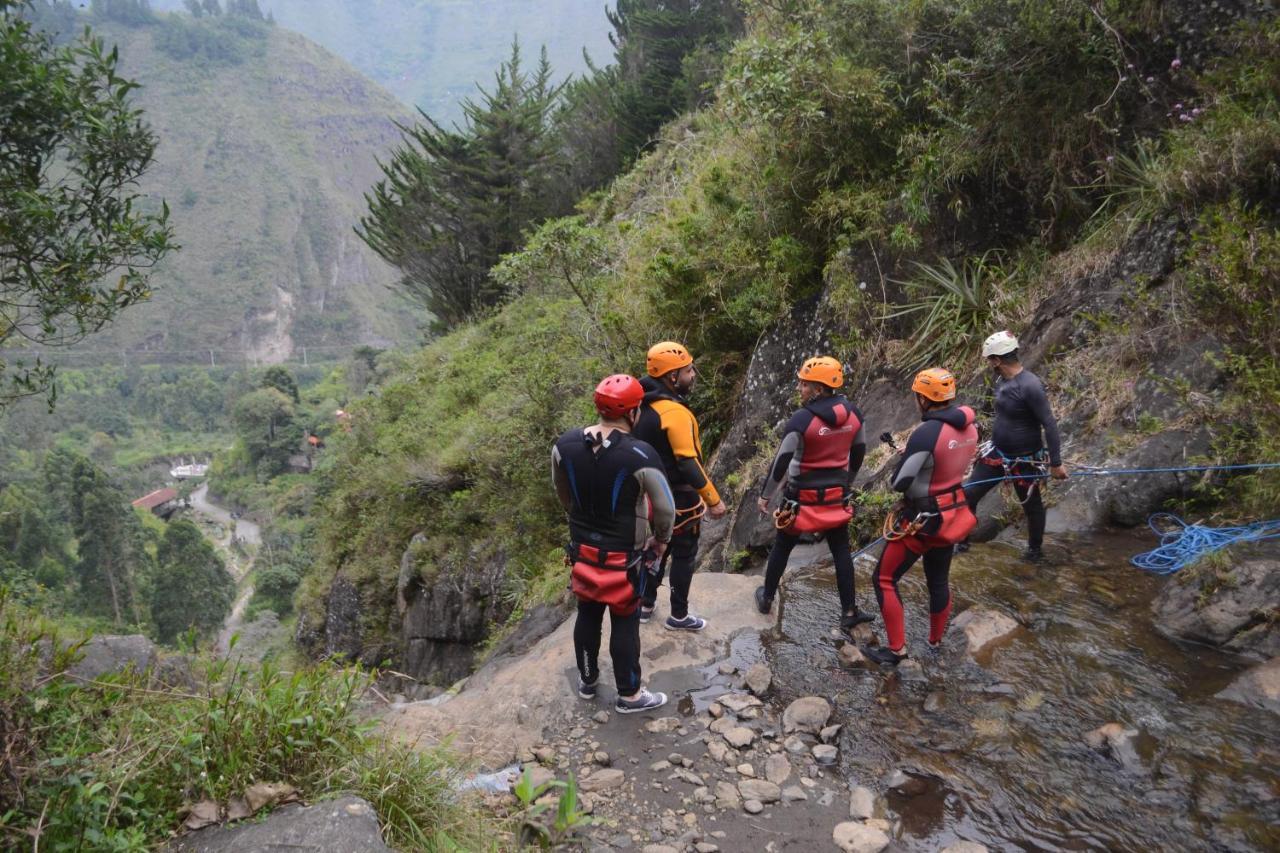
(822, 446)
(667, 423)
(1022, 413)
(608, 487)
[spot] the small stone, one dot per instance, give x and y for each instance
(659, 848)
(854, 837)
(794, 793)
(851, 655)
(659, 766)
(662, 725)
(829, 734)
(759, 789)
(586, 805)
(777, 769)
(739, 702)
(602, 780)
(808, 783)
(706, 847)
(746, 770)
(727, 796)
(983, 628)
(795, 745)
(1118, 741)
(723, 724)
(676, 759)
(965, 847)
(753, 806)
(577, 733)
(601, 717)
(825, 754)
(740, 737)
(911, 671)
(545, 754)
(539, 775)
(601, 757)
(807, 714)
(758, 679)
(718, 750)
(862, 803)
(881, 824)
(703, 795)
(751, 714)
(715, 709)
(935, 702)
(688, 776)
(726, 668)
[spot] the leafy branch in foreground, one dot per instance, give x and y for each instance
(76, 239)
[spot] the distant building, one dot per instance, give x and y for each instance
(161, 502)
(185, 472)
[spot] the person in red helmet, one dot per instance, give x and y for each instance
(933, 515)
(822, 449)
(621, 512)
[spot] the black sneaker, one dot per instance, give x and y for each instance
(962, 547)
(586, 691)
(884, 656)
(646, 612)
(1033, 555)
(763, 602)
(644, 701)
(688, 623)
(849, 621)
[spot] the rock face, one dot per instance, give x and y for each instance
(1117, 741)
(1229, 609)
(982, 628)
(348, 824)
(1258, 687)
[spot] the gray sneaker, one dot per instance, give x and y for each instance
(688, 623)
(644, 701)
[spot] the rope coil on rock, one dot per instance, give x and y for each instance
(1182, 544)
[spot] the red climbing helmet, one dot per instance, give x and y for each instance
(618, 394)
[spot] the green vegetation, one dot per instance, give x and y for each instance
(192, 590)
(110, 764)
(76, 239)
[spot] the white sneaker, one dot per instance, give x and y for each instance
(644, 701)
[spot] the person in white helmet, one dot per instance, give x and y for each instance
(1024, 437)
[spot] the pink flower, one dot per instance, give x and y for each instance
(1177, 106)
(1176, 64)
(1151, 79)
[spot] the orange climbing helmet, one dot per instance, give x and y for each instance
(824, 370)
(936, 383)
(618, 394)
(665, 357)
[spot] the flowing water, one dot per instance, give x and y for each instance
(998, 756)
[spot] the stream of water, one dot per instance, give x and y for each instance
(999, 754)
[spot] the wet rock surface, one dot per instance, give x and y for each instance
(1224, 607)
(346, 824)
(983, 628)
(1258, 687)
(109, 654)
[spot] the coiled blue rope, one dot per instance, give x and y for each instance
(1181, 544)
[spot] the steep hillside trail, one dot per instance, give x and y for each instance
(239, 562)
(1056, 718)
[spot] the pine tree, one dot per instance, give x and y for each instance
(452, 202)
(109, 545)
(192, 588)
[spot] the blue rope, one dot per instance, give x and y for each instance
(1089, 471)
(1181, 544)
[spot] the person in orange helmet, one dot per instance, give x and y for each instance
(822, 449)
(933, 515)
(667, 424)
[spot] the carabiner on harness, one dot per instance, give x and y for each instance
(786, 513)
(892, 533)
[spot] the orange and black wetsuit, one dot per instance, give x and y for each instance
(615, 493)
(667, 424)
(821, 451)
(930, 478)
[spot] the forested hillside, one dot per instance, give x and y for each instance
(883, 181)
(267, 144)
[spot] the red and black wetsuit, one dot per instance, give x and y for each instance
(929, 477)
(615, 492)
(821, 452)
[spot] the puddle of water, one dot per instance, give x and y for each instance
(1000, 747)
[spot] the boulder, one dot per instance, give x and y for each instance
(348, 824)
(777, 769)
(740, 737)
(807, 714)
(862, 803)
(853, 837)
(602, 780)
(110, 654)
(982, 628)
(1258, 687)
(851, 655)
(758, 679)
(1226, 608)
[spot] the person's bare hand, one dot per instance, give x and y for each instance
(1058, 472)
(718, 510)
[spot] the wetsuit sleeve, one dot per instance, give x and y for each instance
(682, 436)
(561, 480)
(857, 455)
(789, 451)
(661, 501)
(1038, 402)
(917, 454)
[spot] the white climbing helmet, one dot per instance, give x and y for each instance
(1001, 343)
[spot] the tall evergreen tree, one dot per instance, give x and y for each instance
(192, 588)
(109, 545)
(452, 202)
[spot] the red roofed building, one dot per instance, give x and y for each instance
(161, 502)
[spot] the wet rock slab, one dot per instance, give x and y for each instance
(983, 628)
(1257, 687)
(347, 824)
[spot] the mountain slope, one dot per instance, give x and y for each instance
(263, 163)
